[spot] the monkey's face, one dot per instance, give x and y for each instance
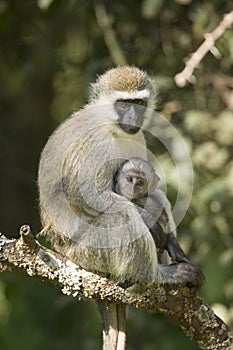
(136, 178)
(130, 114)
(132, 186)
(128, 95)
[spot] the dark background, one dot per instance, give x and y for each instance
(49, 53)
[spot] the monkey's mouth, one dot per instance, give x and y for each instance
(130, 129)
(130, 195)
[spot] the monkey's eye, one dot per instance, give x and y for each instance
(122, 104)
(140, 183)
(129, 179)
(141, 102)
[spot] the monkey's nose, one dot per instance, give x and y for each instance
(132, 120)
(130, 195)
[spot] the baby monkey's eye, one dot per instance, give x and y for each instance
(129, 179)
(140, 183)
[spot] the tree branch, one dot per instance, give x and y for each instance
(104, 23)
(181, 305)
(187, 73)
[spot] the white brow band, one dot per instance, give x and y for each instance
(131, 95)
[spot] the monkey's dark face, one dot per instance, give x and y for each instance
(132, 186)
(130, 114)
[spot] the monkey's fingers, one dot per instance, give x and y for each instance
(182, 273)
(176, 253)
(196, 277)
(174, 250)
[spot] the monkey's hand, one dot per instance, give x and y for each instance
(181, 273)
(174, 250)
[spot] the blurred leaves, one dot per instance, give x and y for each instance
(151, 8)
(223, 128)
(44, 4)
(50, 51)
(210, 156)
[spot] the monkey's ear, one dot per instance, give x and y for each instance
(154, 184)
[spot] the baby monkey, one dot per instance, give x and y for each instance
(136, 180)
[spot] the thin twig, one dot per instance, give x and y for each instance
(210, 38)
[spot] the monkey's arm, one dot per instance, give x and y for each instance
(172, 246)
(164, 229)
(157, 229)
(174, 249)
(167, 241)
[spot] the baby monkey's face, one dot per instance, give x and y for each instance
(136, 179)
(132, 185)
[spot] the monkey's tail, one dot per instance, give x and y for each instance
(180, 274)
(113, 318)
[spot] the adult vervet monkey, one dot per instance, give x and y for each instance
(83, 218)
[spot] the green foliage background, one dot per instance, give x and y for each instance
(49, 52)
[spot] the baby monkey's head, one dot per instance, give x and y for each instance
(136, 178)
